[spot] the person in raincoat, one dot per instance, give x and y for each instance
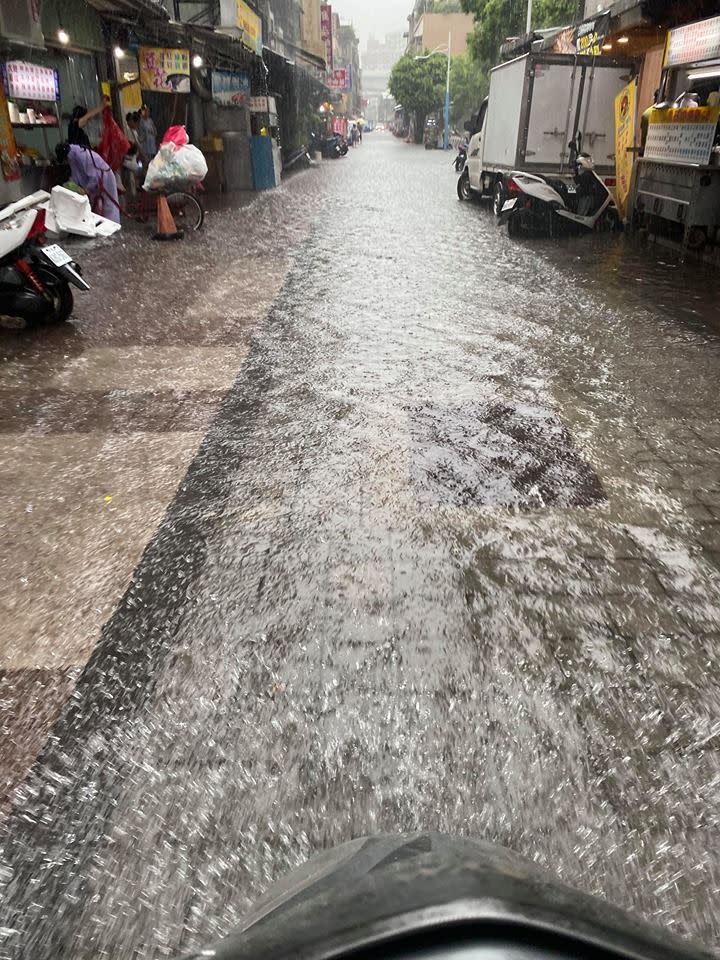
(89, 171)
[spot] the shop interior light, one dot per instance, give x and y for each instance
(197, 61)
(623, 40)
(705, 74)
(119, 53)
(607, 46)
(63, 36)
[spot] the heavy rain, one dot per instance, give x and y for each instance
(352, 514)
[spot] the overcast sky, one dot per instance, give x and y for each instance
(374, 16)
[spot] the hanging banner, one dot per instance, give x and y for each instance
(9, 157)
(326, 32)
(625, 105)
(693, 42)
(164, 69)
(28, 81)
(231, 88)
(590, 35)
(341, 80)
(682, 134)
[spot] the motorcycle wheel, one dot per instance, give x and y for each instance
(464, 191)
(498, 198)
(63, 300)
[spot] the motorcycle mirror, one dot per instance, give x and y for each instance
(467, 126)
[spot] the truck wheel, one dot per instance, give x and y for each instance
(464, 191)
(498, 198)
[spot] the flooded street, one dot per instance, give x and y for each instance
(411, 526)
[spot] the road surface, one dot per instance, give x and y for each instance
(410, 526)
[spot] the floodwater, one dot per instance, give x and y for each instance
(447, 556)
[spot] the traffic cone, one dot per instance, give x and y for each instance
(166, 224)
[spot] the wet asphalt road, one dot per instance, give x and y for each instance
(448, 557)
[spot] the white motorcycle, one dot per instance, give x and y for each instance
(34, 278)
(535, 204)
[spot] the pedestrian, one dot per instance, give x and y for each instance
(360, 132)
(79, 119)
(147, 133)
(90, 172)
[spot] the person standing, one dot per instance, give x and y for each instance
(79, 119)
(147, 133)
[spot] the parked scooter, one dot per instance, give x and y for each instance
(461, 158)
(537, 204)
(331, 148)
(34, 279)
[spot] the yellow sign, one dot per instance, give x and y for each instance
(625, 105)
(164, 69)
(251, 26)
(682, 134)
(9, 159)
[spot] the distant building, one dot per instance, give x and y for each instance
(430, 30)
(377, 62)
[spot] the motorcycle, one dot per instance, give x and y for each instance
(461, 158)
(433, 897)
(331, 148)
(34, 279)
(537, 204)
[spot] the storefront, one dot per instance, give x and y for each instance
(677, 180)
(42, 86)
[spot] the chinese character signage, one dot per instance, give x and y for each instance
(590, 35)
(683, 135)
(326, 32)
(251, 26)
(694, 42)
(164, 69)
(231, 88)
(28, 81)
(624, 143)
(341, 80)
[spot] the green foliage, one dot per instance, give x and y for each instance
(495, 20)
(419, 85)
(468, 88)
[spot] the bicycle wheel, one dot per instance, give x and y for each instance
(187, 211)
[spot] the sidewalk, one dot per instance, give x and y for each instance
(99, 419)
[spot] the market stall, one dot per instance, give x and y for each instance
(677, 179)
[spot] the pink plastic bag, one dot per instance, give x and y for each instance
(177, 136)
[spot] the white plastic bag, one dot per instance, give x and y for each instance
(186, 164)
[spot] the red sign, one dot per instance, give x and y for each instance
(341, 80)
(326, 32)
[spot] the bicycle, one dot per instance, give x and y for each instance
(185, 206)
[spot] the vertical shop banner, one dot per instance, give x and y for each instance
(9, 157)
(164, 69)
(625, 105)
(231, 88)
(251, 26)
(326, 32)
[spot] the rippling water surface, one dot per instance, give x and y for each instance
(446, 558)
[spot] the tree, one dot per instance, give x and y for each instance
(497, 19)
(419, 85)
(468, 88)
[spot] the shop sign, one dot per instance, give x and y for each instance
(693, 42)
(590, 35)
(326, 32)
(258, 104)
(164, 69)
(341, 80)
(9, 159)
(231, 88)
(29, 81)
(682, 134)
(251, 26)
(625, 103)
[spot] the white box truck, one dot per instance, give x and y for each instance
(537, 105)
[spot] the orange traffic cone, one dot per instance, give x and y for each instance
(166, 224)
